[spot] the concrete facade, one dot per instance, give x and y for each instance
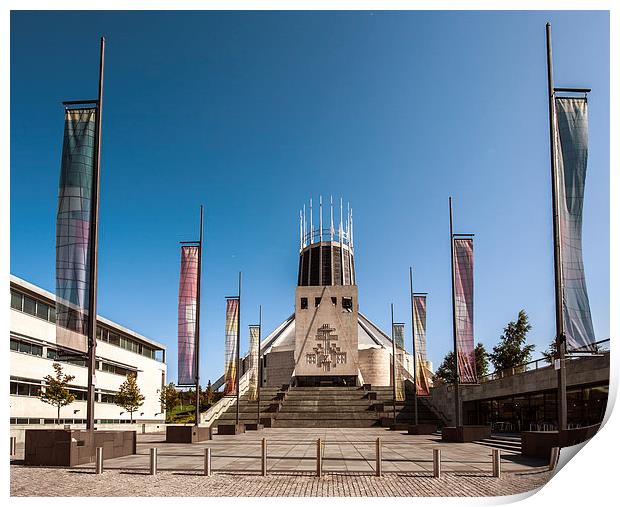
(326, 331)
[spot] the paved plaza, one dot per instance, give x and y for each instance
(349, 465)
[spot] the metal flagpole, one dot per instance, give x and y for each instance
(258, 366)
(94, 247)
(457, 411)
(557, 247)
(197, 417)
(238, 345)
(415, 369)
(393, 364)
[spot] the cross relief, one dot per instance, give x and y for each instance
(326, 354)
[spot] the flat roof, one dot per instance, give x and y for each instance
(29, 287)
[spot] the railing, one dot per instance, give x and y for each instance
(602, 347)
(214, 413)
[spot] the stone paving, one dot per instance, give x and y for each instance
(349, 463)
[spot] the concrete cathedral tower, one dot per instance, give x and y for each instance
(326, 302)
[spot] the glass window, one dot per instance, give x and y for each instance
(42, 310)
(13, 388)
(52, 353)
(347, 304)
(52, 317)
(30, 305)
(304, 303)
(36, 350)
(23, 389)
(317, 302)
(16, 300)
(25, 347)
(114, 339)
(14, 344)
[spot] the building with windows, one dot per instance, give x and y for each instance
(120, 351)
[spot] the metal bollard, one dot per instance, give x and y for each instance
(13, 445)
(555, 456)
(264, 457)
(437, 463)
(153, 467)
(99, 460)
(378, 464)
(207, 462)
(319, 458)
(496, 462)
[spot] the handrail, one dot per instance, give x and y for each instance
(216, 410)
(522, 368)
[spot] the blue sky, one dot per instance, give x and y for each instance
(253, 113)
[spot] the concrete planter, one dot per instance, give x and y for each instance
(538, 444)
(75, 447)
(187, 434)
(253, 426)
(230, 429)
(465, 433)
(422, 429)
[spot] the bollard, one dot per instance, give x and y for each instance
(99, 460)
(378, 465)
(319, 458)
(555, 456)
(153, 468)
(496, 462)
(13, 445)
(437, 463)
(264, 457)
(208, 461)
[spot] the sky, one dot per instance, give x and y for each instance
(254, 113)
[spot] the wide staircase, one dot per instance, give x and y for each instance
(329, 407)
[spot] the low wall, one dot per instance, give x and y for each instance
(19, 430)
(374, 365)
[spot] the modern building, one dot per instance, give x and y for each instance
(120, 351)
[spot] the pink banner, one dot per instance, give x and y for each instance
(464, 309)
(188, 292)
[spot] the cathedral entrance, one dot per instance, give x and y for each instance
(325, 381)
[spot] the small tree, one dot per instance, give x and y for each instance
(445, 372)
(56, 390)
(512, 351)
(169, 396)
(129, 396)
(209, 393)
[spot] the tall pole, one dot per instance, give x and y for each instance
(94, 253)
(393, 365)
(457, 405)
(197, 366)
(238, 345)
(258, 366)
(415, 369)
(557, 247)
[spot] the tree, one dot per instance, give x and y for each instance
(56, 390)
(551, 353)
(129, 396)
(209, 393)
(512, 351)
(445, 372)
(169, 396)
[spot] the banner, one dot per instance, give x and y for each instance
(73, 229)
(464, 309)
(398, 332)
(421, 372)
(571, 158)
(230, 346)
(188, 302)
(253, 358)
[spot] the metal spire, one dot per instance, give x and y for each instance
(311, 229)
(301, 232)
(340, 227)
(320, 218)
(331, 218)
(351, 229)
(305, 225)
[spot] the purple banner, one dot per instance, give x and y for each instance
(188, 302)
(73, 229)
(464, 309)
